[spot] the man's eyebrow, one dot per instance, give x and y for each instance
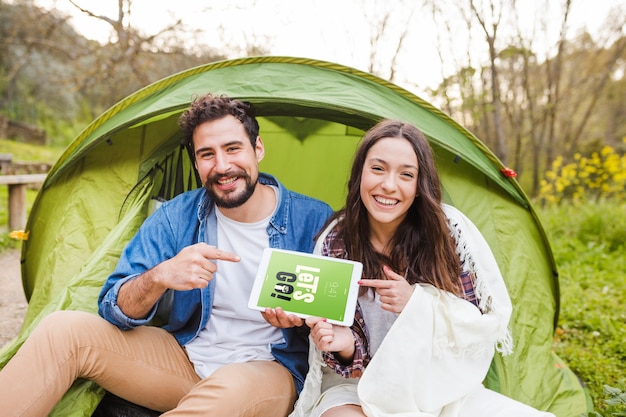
(224, 145)
(233, 142)
(200, 150)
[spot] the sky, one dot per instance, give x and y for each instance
(330, 30)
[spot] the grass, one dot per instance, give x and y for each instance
(23, 152)
(588, 242)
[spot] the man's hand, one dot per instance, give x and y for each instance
(394, 292)
(278, 318)
(193, 267)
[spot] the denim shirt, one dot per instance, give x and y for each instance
(293, 226)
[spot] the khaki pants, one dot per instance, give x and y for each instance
(145, 365)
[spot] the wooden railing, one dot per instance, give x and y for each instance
(17, 196)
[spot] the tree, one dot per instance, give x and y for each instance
(565, 99)
(32, 43)
(489, 18)
(53, 76)
(389, 28)
(132, 59)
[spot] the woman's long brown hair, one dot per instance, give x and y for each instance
(422, 247)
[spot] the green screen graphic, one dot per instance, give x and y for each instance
(310, 286)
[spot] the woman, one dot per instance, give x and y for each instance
(433, 306)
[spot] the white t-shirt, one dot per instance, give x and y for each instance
(235, 333)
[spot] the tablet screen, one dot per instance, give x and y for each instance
(307, 285)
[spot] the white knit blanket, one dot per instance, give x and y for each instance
(435, 356)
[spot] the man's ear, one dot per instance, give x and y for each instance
(259, 149)
(194, 160)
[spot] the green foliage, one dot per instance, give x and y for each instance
(615, 404)
(602, 175)
(588, 245)
(61, 132)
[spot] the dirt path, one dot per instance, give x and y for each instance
(12, 301)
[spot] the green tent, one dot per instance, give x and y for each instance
(312, 115)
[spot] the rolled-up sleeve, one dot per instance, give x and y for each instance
(110, 311)
(152, 244)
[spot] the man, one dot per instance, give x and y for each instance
(196, 256)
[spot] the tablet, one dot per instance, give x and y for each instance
(307, 285)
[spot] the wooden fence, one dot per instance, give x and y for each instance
(17, 196)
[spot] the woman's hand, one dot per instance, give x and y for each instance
(394, 292)
(331, 338)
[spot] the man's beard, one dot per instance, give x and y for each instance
(231, 198)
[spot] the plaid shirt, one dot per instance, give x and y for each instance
(362, 356)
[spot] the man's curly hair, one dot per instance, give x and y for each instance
(210, 107)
